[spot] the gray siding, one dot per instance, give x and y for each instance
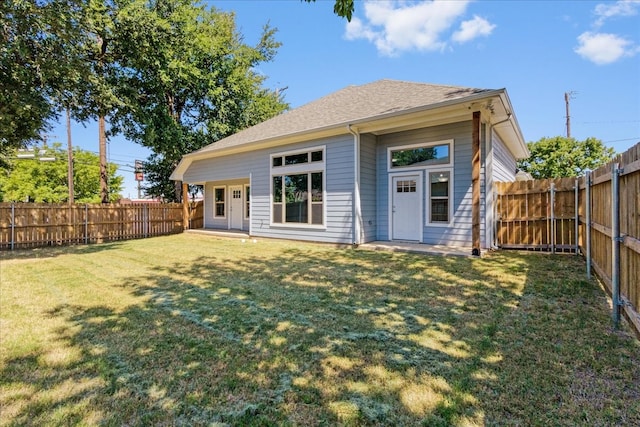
(368, 187)
(504, 164)
(501, 167)
(459, 233)
(339, 179)
(222, 223)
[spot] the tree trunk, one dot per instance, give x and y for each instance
(102, 141)
(178, 191)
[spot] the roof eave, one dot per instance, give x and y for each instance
(364, 124)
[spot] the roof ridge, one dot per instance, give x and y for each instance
(353, 102)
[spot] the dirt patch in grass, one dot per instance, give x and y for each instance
(193, 330)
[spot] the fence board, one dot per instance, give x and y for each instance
(30, 225)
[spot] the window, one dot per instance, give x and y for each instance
(247, 203)
(408, 186)
(420, 155)
(439, 191)
(297, 180)
(297, 158)
(219, 202)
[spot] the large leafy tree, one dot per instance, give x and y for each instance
(56, 55)
(189, 81)
(35, 180)
(560, 157)
(39, 62)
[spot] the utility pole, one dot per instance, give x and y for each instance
(102, 145)
(567, 97)
(69, 159)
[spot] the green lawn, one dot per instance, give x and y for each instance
(195, 330)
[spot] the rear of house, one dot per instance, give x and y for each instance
(385, 161)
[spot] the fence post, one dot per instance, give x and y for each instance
(615, 243)
(587, 237)
(13, 225)
(86, 223)
(576, 190)
(552, 240)
(145, 224)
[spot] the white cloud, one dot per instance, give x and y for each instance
(603, 48)
(399, 25)
(605, 11)
(469, 30)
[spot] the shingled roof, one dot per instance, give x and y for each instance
(349, 105)
(379, 103)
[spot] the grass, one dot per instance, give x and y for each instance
(194, 330)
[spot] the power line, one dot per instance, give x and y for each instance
(637, 138)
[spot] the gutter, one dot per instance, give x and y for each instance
(356, 218)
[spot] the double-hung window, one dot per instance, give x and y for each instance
(439, 191)
(297, 187)
(247, 201)
(219, 208)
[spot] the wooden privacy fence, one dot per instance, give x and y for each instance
(537, 214)
(30, 225)
(597, 215)
(196, 214)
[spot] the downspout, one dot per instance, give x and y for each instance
(356, 207)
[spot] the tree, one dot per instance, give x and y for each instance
(46, 181)
(38, 63)
(560, 157)
(189, 81)
(342, 8)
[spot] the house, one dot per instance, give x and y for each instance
(389, 160)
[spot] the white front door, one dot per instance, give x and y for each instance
(236, 207)
(406, 208)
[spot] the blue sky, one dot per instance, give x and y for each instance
(537, 50)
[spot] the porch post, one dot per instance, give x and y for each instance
(475, 185)
(185, 206)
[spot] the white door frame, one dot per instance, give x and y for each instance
(418, 176)
(236, 208)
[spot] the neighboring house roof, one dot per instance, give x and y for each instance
(379, 102)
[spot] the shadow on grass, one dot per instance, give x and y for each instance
(322, 337)
(55, 251)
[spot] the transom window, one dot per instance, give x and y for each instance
(420, 155)
(297, 182)
(297, 158)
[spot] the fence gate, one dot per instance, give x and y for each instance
(537, 215)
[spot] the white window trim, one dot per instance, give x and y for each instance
(420, 145)
(245, 201)
(428, 197)
(308, 168)
(224, 188)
